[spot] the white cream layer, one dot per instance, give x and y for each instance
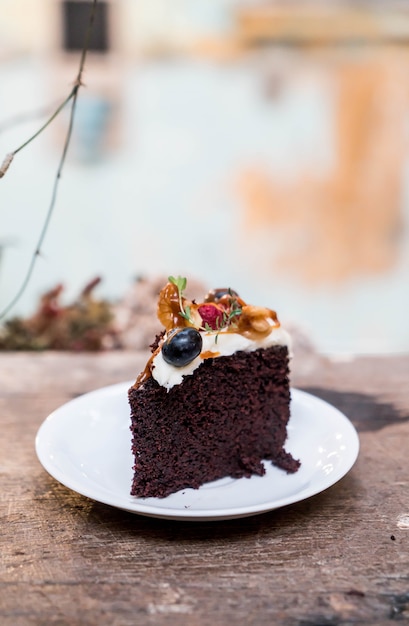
(221, 344)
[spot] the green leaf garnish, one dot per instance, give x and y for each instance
(185, 313)
(180, 282)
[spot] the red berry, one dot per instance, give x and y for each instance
(212, 315)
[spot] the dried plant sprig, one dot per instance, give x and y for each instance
(7, 161)
(26, 116)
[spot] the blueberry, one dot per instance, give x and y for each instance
(216, 294)
(182, 346)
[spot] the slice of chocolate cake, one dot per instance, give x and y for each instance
(213, 400)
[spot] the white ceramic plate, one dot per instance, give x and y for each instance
(85, 445)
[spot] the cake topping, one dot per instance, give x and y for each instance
(170, 308)
(219, 326)
(215, 295)
(181, 346)
(212, 315)
(220, 309)
(257, 322)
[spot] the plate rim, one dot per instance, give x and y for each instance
(180, 514)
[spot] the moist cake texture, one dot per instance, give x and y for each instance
(215, 410)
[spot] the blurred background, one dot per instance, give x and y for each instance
(245, 143)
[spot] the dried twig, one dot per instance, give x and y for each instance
(22, 117)
(6, 163)
(72, 97)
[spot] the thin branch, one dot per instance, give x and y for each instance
(6, 163)
(44, 126)
(22, 118)
(44, 229)
(10, 156)
(73, 97)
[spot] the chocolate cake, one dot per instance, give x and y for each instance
(213, 400)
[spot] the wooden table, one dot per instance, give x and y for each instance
(339, 558)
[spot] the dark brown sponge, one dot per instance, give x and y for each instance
(222, 420)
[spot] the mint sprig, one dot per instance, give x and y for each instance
(180, 282)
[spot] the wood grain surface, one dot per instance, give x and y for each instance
(339, 558)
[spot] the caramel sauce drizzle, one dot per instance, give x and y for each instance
(209, 354)
(254, 323)
(147, 372)
(168, 309)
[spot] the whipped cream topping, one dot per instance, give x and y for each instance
(215, 345)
